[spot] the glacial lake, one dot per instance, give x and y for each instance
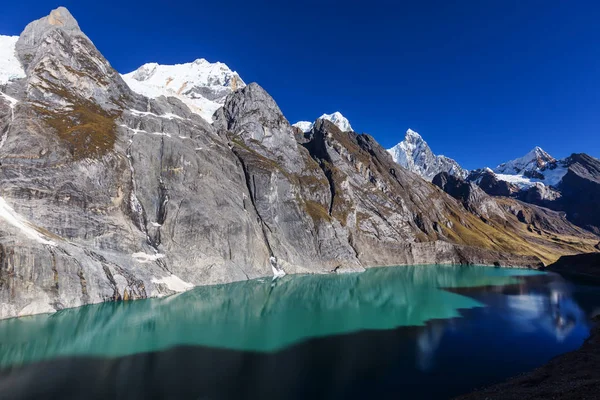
(429, 332)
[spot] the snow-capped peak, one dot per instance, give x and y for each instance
(304, 126)
(10, 66)
(412, 135)
(336, 118)
(200, 84)
(534, 168)
(414, 154)
(536, 159)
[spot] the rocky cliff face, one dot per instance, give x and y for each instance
(109, 195)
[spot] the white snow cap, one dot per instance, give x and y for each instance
(202, 85)
(337, 118)
(10, 66)
(535, 167)
(304, 126)
(410, 134)
(535, 159)
(414, 154)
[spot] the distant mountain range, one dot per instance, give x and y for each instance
(569, 185)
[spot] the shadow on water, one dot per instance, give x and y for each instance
(390, 333)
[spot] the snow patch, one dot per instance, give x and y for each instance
(12, 102)
(136, 131)
(8, 214)
(10, 66)
(174, 283)
(146, 258)
(278, 272)
(304, 126)
(147, 113)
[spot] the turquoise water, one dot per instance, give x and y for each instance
(259, 315)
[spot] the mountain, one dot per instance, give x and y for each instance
(570, 185)
(107, 194)
(579, 190)
(201, 85)
(537, 166)
(414, 154)
(336, 118)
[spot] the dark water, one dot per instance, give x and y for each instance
(409, 332)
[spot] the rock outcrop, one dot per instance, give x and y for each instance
(109, 195)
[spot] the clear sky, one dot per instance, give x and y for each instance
(482, 81)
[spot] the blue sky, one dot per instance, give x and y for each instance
(482, 81)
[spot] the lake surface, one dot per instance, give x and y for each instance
(405, 332)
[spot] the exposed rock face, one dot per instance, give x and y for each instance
(580, 192)
(62, 64)
(532, 224)
(414, 154)
(489, 183)
(106, 194)
(469, 194)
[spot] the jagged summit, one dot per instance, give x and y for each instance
(64, 69)
(412, 135)
(200, 84)
(535, 159)
(37, 31)
(534, 168)
(63, 18)
(414, 154)
(337, 118)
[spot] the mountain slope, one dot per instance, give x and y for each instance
(110, 195)
(414, 154)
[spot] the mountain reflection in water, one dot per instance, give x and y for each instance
(418, 332)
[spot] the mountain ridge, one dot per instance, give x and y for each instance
(107, 194)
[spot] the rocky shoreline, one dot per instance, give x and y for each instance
(580, 266)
